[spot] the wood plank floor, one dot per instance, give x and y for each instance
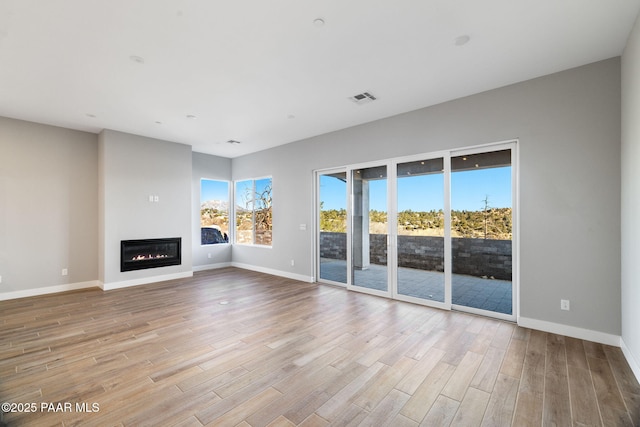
(237, 348)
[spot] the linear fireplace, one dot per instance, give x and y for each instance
(150, 253)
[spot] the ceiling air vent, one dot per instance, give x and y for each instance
(363, 98)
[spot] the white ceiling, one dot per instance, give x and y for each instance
(261, 72)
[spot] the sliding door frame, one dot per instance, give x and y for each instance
(350, 210)
(392, 226)
(393, 208)
(515, 281)
(316, 226)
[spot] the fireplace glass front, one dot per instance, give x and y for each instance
(150, 253)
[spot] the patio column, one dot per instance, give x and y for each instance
(360, 245)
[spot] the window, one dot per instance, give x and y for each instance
(214, 212)
(253, 212)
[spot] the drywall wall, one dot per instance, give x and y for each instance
(206, 166)
(568, 127)
(631, 197)
(132, 168)
(48, 207)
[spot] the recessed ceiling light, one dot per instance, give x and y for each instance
(233, 141)
(191, 117)
(137, 59)
(318, 22)
(462, 40)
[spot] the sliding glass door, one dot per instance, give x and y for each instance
(482, 231)
(369, 229)
(436, 229)
(421, 229)
(332, 221)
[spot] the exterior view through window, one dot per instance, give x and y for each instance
(254, 213)
(420, 247)
(434, 229)
(333, 226)
(369, 222)
(481, 231)
(214, 212)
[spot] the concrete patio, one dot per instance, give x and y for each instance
(476, 292)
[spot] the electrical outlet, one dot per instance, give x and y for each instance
(65, 272)
(293, 263)
(564, 304)
(209, 256)
(0, 279)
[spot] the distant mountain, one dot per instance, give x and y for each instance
(220, 205)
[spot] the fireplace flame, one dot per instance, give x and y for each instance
(143, 257)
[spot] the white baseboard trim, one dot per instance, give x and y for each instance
(570, 331)
(4, 296)
(300, 277)
(631, 360)
(211, 266)
(144, 280)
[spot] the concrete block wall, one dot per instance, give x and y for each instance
(474, 257)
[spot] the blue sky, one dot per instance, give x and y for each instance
(425, 192)
(418, 193)
(213, 190)
(219, 190)
(470, 188)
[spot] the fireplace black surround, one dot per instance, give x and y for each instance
(150, 253)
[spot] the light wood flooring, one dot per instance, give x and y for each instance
(288, 353)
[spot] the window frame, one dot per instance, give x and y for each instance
(229, 231)
(253, 204)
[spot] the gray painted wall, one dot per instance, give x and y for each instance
(631, 194)
(48, 206)
(208, 167)
(568, 125)
(131, 169)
